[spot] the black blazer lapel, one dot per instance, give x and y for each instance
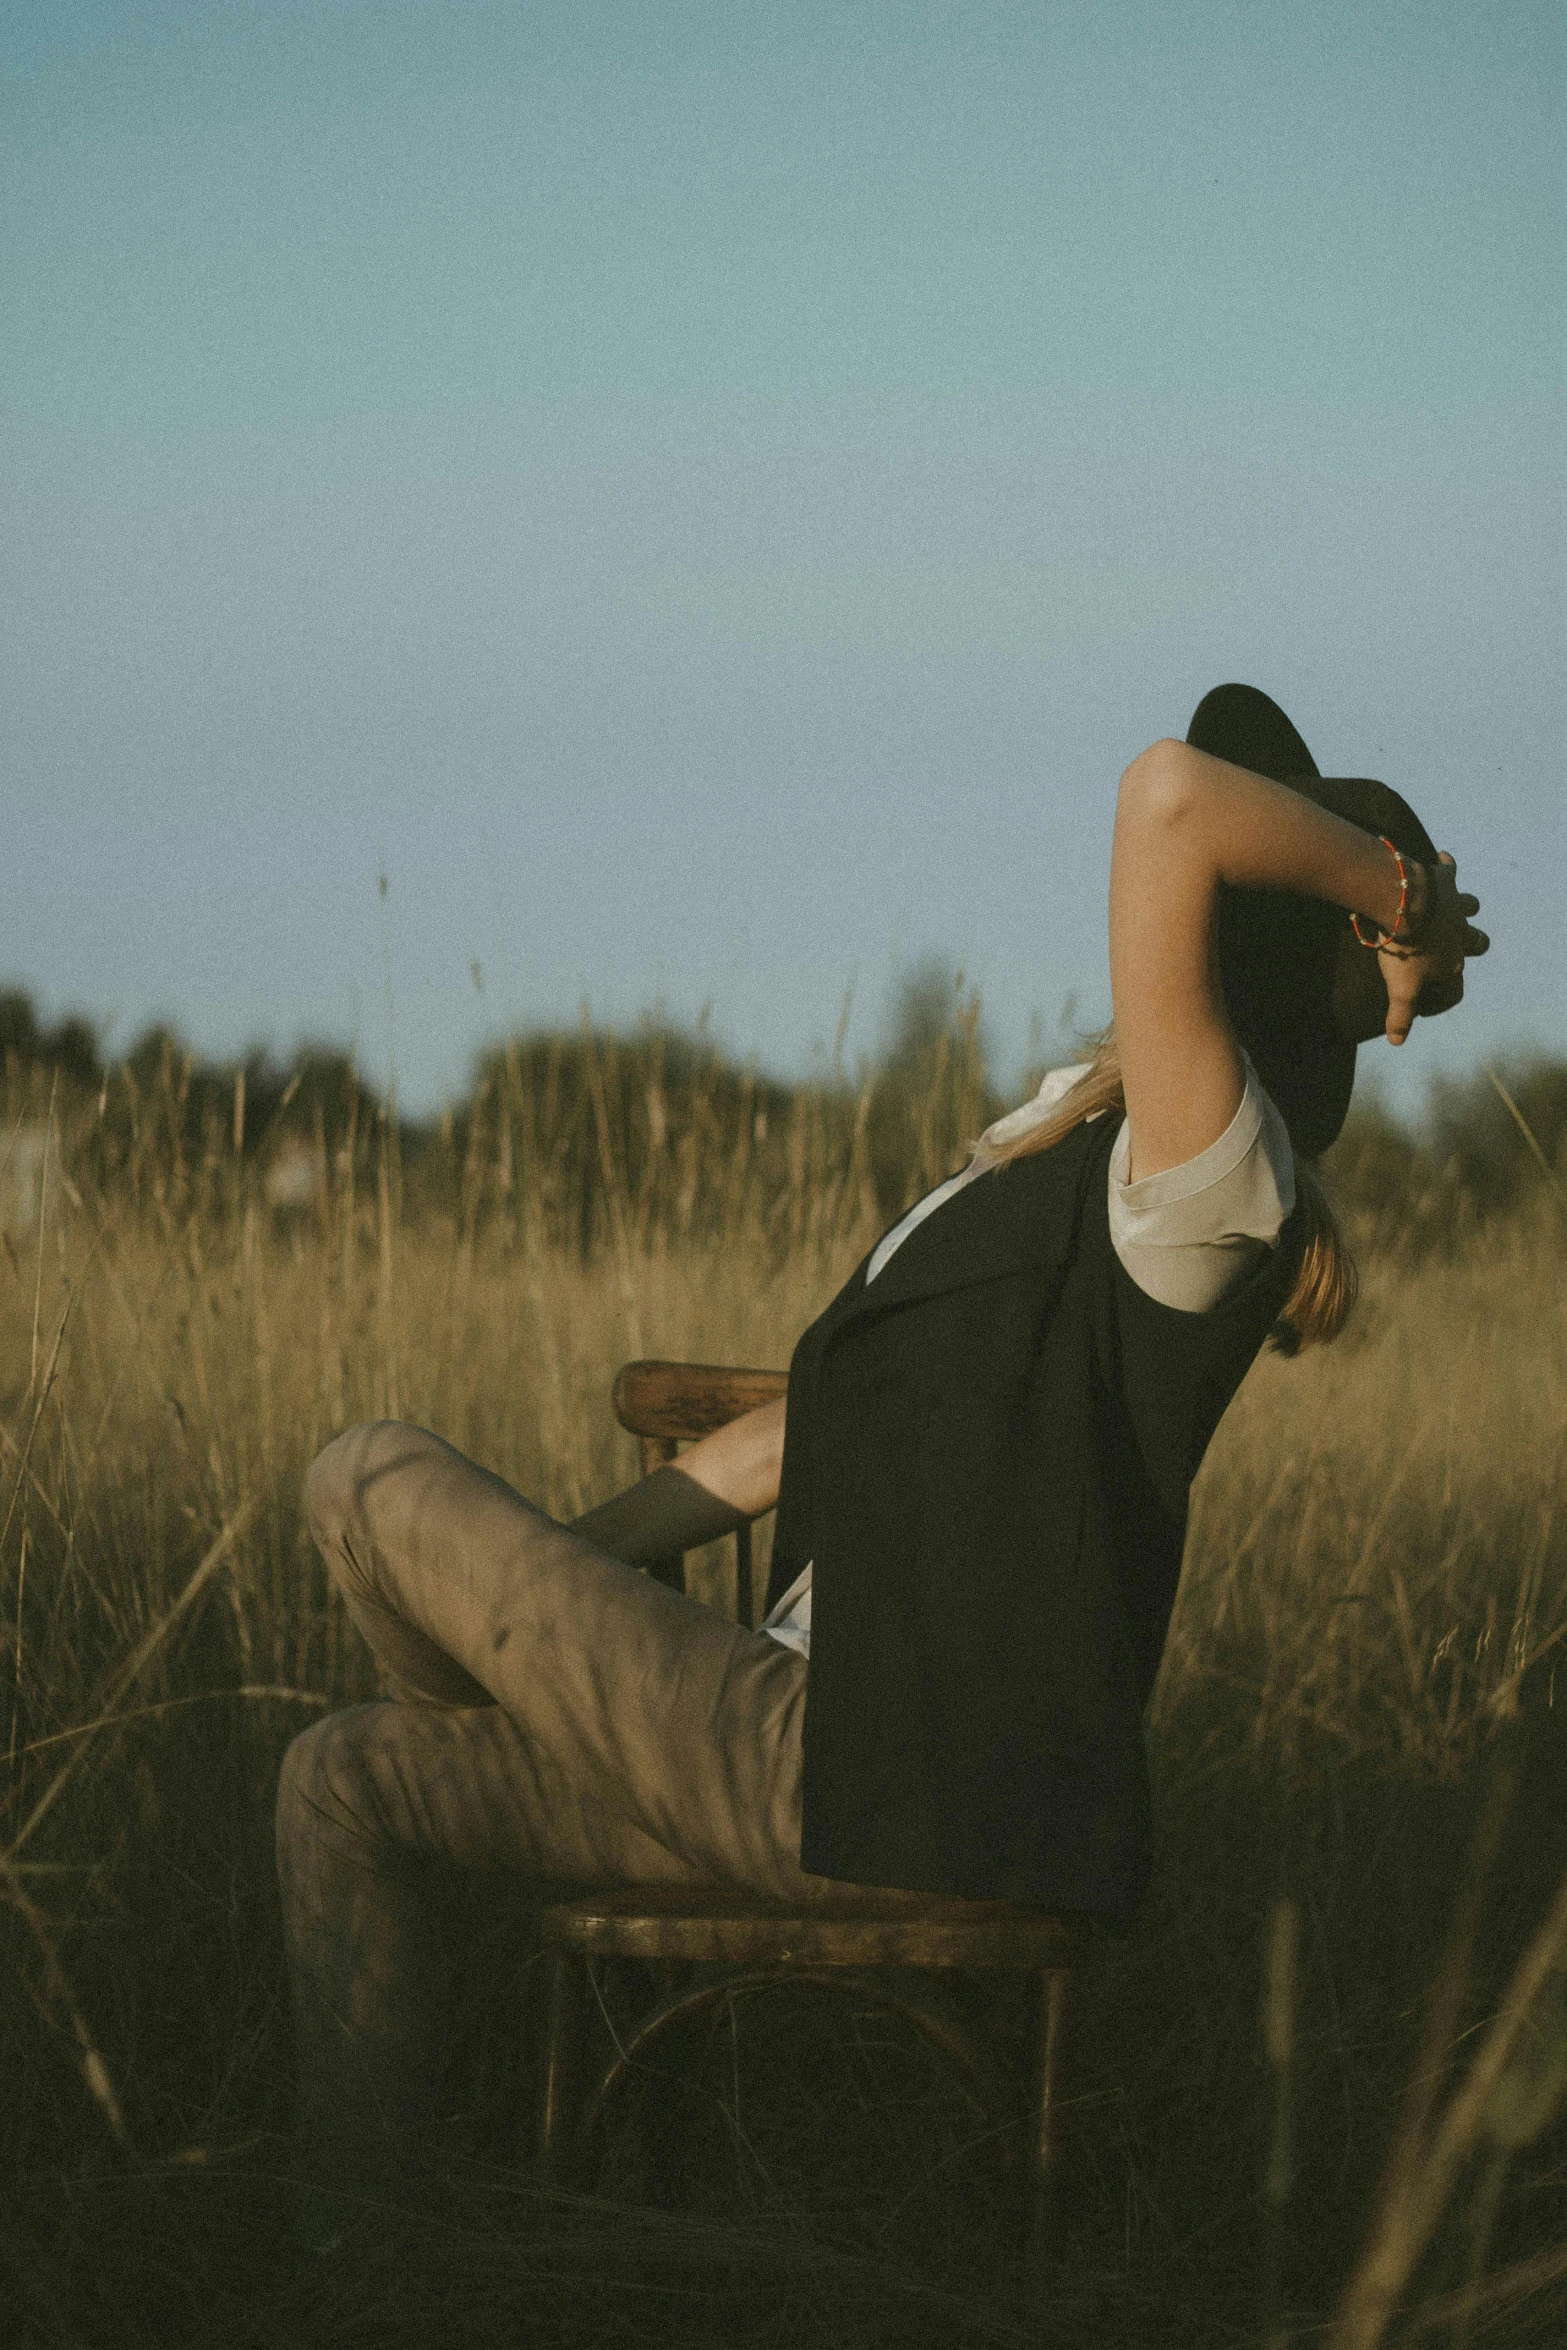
(1020, 1217)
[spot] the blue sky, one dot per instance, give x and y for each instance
(707, 499)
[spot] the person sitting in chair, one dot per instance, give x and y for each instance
(981, 1473)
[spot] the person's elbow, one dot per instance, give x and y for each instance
(1159, 790)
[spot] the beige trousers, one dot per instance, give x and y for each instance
(554, 1713)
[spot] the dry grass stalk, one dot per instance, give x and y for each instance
(1423, 2183)
(1354, 1598)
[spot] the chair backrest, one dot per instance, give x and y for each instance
(666, 1405)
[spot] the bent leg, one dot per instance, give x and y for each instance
(559, 1714)
(635, 1701)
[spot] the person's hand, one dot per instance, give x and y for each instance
(1425, 974)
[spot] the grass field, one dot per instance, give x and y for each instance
(1355, 1741)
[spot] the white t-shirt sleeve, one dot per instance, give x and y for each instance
(1191, 1234)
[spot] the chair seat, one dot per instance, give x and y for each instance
(872, 1929)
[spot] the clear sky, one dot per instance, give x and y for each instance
(705, 499)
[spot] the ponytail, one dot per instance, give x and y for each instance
(1327, 1283)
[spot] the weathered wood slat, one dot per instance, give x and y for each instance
(872, 1929)
(678, 1402)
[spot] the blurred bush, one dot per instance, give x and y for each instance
(686, 1128)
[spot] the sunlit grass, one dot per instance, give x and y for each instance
(1374, 1606)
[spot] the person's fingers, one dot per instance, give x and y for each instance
(1403, 995)
(1450, 912)
(1429, 978)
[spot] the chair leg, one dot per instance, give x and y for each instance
(1042, 2149)
(559, 2090)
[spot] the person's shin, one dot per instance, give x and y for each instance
(369, 1976)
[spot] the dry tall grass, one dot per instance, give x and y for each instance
(1374, 1607)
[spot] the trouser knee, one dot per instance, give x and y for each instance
(340, 1490)
(326, 1793)
(332, 1488)
(365, 1497)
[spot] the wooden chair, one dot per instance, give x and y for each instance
(903, 1953)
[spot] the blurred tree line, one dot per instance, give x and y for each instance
(587, 1136)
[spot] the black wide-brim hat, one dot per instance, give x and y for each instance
(1277, 949)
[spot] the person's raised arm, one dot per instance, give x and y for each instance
(721, 1482)
(1186, 824)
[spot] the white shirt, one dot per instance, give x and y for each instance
(1187, 1236)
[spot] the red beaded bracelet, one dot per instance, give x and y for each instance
(1387, 938)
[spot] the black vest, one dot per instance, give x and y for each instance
(987, 1458)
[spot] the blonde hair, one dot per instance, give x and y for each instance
(1326, 1284)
